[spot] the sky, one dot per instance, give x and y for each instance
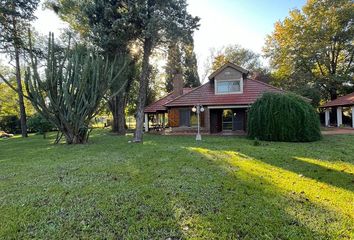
(223, 22)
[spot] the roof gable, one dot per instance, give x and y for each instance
(228, 65)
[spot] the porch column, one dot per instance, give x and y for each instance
(327, 117)
(163, 120)
(352, 116)
(339, 116)
(146, 122)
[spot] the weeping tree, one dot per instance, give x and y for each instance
(74, 83)
(283, 117)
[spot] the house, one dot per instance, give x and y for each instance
(225, 98)
(345, 103)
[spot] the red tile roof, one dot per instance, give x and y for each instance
(159, 104)
(346, 100)
(252, 89)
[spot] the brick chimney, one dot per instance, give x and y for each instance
(178, 84)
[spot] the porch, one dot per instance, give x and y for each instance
(228, 120)
(156, 121)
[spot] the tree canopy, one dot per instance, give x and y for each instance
(14, 33)
(236, 54)
(314, 47)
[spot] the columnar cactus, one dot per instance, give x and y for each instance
(75, 81)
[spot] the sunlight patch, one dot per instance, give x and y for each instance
(287, 181)
(338, 166)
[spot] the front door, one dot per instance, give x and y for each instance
(215, 120)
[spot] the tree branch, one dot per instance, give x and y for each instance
(319, 66)
(8, 83)
(11, 86)
(350, 62)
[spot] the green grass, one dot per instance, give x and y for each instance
(172, 187)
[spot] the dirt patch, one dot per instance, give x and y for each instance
(335, 131)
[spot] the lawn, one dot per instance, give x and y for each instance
(171, 187)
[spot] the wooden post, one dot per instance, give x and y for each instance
(146, 122)
(327, 117)
(339, 116)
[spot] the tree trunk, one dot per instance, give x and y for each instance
(144, 82)
(20, 95)
(117, 107)
(18, 79)
(75, 138)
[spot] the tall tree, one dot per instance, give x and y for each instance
(109, 25)
(173, 64)
(15, 17)
(314, 47)
(159, 21)
(190, 71)
(182, 59)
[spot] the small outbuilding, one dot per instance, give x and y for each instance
(345, 102)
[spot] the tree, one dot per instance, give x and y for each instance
(283, 117)
(314, 47)
(110, 26)
(190, 73)
(173, 64)
(75, 82)
(15, 17)
(159, 21)
(9, 97)
(9, 101)
(235, 54)
(182, 59)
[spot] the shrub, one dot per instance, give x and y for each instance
(38, 124)
(283, 117)
(10, 124)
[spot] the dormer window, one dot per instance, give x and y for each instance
(231, 86)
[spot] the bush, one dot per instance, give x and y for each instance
(38, 124)
(283, 117)
(10, 124)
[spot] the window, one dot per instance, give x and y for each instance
(184, 117)
(188, 118)
(228, 86)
